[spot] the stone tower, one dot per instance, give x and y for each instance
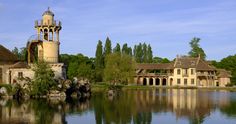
(48, 32)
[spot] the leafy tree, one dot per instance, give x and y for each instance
(149, 54)
(85, 71)
(20, 54)
(99, 61)
(119, 69)
(43, 79)
(160, 60)
(16, 52)
(79, 66)
(117, 49)
(196, 50)
(107, 48)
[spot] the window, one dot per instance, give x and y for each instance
(178, 71)
(192, 81)
(185, 81)
(20, 74)
(185, 72)
(192, 71)
(178, 81)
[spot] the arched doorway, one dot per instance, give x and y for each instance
(171, 81)
(151, 81)
(164, 82)
(144, 81)
(157, 81)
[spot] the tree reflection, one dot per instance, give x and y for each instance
(130, 106)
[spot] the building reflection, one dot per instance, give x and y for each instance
(130, 106)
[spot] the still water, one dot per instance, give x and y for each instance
(163, 106)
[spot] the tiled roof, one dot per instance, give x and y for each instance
(20, 65)
(180, 62)
(6, 56)
(154, 66)
(190, 62)
(222, 73)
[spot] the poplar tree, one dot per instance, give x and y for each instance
(149, 54)
(145, 53)
(125, 49)
(107, 48)
(99, 61)
(117, 49)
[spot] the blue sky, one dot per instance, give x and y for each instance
(168, 25)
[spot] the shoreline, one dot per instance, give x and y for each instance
(102, 87)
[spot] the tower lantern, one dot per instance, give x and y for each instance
(48, 33)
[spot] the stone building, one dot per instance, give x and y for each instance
(183, 71)
(44, 46)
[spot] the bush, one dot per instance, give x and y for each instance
(8, 87)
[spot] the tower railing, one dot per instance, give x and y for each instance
(54, 23)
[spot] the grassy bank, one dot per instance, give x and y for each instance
(106, 86)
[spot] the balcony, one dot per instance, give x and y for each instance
(205, 74)
(39, 23)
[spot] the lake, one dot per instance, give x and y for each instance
(170, 106)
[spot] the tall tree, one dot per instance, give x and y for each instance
(107, 48)
(125, 49)
(196, 50)
(130, 51)
(117, 49)
(99, 61)
(145, 54)
(139, 53)
(149, 54)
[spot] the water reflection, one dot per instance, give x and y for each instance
(130, 106)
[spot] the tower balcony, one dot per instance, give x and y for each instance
(41, 23)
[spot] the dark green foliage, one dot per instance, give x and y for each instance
(99, 62)
(196, 50)
(149, 54)
(107, 48)
(228, 63)
(126, 50)
(143, 53)
(160, 60)
(43, 79)
(117, 49)
(138, 53)
(79, 66)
